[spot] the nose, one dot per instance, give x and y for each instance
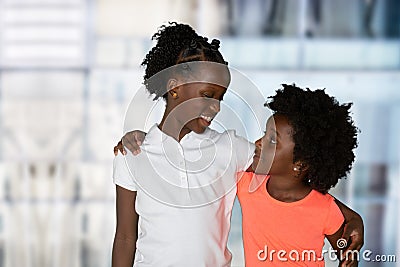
(215, 106)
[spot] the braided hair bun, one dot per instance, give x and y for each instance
(176, 43)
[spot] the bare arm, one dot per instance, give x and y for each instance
(354, 227)
(341, 248)
(353, 232)
(124, 247)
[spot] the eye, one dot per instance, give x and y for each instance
(207, 95)
(272, 140)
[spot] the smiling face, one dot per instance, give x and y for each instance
(198, 104)
(274, 151)
(194, 101)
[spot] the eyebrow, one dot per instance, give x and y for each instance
(214, 88)
(273, 129)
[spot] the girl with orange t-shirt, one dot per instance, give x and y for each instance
(307, 147)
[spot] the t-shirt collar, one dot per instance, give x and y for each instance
(155, 135)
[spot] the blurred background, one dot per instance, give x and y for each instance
(69, 68)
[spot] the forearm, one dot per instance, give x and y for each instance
(123, 253)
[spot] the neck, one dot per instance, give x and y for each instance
(287, 188)
(171, 126)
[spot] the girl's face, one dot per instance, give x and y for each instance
(274, 151)
(199, 102)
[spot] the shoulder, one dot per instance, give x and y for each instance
(119, 162)
(212, 133)
(124, 165)
(230, 136)
(227, 134)
(122, 174)
(324, 201)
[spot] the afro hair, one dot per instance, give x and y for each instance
(324, 133)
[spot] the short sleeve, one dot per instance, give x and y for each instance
(121, 174)
(244, 151)
(334, 219)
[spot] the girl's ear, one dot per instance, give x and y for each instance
(172, 88)
(172, 84)
(300, 167)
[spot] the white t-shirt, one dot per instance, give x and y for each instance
(185, 194)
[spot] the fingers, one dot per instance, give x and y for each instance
(140, 137)
(351, 247)
(130, 142)
(350, 257)
(349, 260)
(119, 147)
(349, 263)
(138, 140)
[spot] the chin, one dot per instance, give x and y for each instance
(196, 127)
(259, 170)
(199, 130)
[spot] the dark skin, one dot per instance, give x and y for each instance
(124, 247)
(353, 229)
(190, 107)
(274, 156)
(285, 182)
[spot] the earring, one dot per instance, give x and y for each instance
(174, 95)
(295, 169)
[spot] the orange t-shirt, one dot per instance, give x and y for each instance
(277, 233)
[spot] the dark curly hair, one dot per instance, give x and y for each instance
(324, 133)
(176, 44)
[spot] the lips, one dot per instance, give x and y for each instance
(207, 118)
